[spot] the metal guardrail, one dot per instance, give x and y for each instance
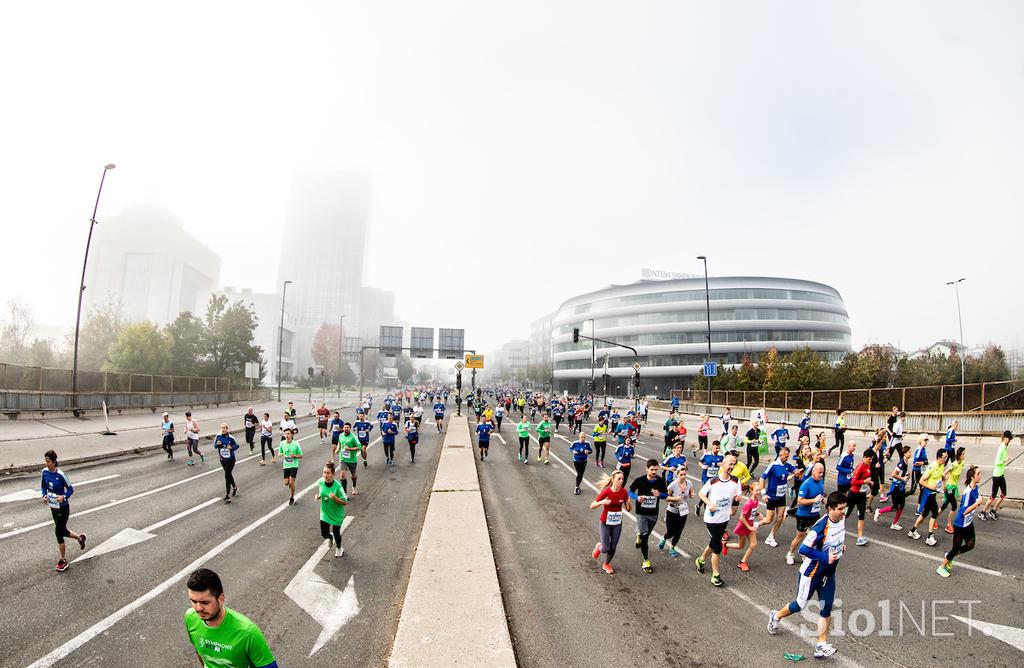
(44, 379)
(13, 401)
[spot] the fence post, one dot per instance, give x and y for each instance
(812, 400)
(40, 380)
(983, 396)
(903, 400)
(785, 400)
(764, 399)
(840, 399)
(942, 396)
(869, 400)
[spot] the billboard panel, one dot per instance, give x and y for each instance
(390, 341)
(421, 343)
(451, 343)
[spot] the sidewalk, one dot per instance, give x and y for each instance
(78, 440)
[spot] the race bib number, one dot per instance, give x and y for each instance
(712, 471)
(614, 518)
(780, 490)
(288, 460)
(816, 507)
(649, 502)
(51, 500)
(361, 434)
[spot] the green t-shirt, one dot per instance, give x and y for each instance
(523, 428)
(953, 479)
(288, 453)
(331, 511)
(349, 447)
(1002, 454)
(236, 643)
(544, 429)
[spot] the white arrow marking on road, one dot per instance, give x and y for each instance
(1013, 637)
(128, 537)
(28, 494)
(321, 600)
(501, 438)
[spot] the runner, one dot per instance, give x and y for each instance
(840, 432)
(805, 425)
(499, 413)
(580, 451)
(388, 431)
(412, 435)
(613, 419)
(732, 440)
(670, 432)
(611, 500)
(556, 413)
(544, 440)
(523, 431)
(335, 426)
(703, 427)
(808, 509)
(896, 437)
(167, 432)
(753, 441)
(483, 438)
(920, 462)
(292, 413)
(746, 526)
(671, 464)
(417, 414)
(362, 428)
(291, 453)
(287, 424)
(600, 435)
(222, 637)
(821, 550)
(226, 446)
(677, 508)
(951, 438)
(725, 419)
(192, 438)
(780, 437)
(266, 440)
(898, 491)
(56, 490)
(250, 422)
(333, 502)
(709, 464)
(774, 483)
(963, 525)
(998, 478)
(647, 491)
(953, 471)
(717, 495)
(931, 485)
(439, 407)
(347, 451)
(857, 498)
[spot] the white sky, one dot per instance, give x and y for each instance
(530, 151)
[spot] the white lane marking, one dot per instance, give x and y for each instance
(329, 606)
(135, 497)
(113, 618)
(28, 494)
(501, 438)
(129, 536)
(1013, 637)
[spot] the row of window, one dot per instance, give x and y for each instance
(716, 337)
(718, 293)
(699, 316)
(680, 360)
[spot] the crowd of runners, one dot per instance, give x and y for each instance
(818, 484)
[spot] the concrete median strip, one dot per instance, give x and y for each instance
(453, 586)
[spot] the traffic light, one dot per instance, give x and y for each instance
(575, 334)
(310, 372)
(636, 380)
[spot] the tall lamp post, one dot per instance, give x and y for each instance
(960, 318)
(81, 290)
(280, 340)
(341, 339)
(707, 299)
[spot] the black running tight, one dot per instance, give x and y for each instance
(581, 467)
(599, 449)
(266, 443)
(524, 446)
(229, 480)
(326, 530)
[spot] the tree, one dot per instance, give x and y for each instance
(990, 366)
(325, 350)
(772, 368)
(805, 369)
(14, 332)
(99, 331)
(185, 340)
(405, 369)
(140, 348)
(227, 341)
(42, 353)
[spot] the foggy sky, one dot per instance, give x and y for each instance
(525, 152)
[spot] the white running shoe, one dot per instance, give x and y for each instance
(895, 527)
(338, 552)
(913, 534)
(773, 623)
(878, 513)
(789, 558)
(823, 649)
(770, 540)
(930, 540)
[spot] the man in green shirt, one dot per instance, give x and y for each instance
(998, 479)
(290, 453)
(544, 439)
(222, 637)
(349, 447)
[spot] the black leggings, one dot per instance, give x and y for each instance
(389, 450)
(840, 441)
(625, 472)
(326, 530)
(266, 443)
(963, 541)
(524, 446)
(753, 458)
(192, 445)
(580, 468)
(950, 500)
(412, 448)
(60, 522)
(599, 449)
(229, 480)
(915, 481)
(674, 523)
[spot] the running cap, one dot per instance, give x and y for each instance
(167, 414)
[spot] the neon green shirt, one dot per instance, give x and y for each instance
(288, 452)
(331, 511)
(1002, 454)
(933, 476)
(236, 643)
(523, 428)
(600, 433)
(348, 448)
(955, 469)
(544, 429)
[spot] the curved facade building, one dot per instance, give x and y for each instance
(666, 321)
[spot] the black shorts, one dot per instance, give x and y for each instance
(290, 473)
(845, 489)
(715, 533)
(858, 500)
(772, 504)
(805, 523)
(998, 486)
(484, 445)
(931, 506)
(543, 439)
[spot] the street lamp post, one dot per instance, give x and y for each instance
(341, 339)
(707, 299)
(81, 290)
(960, 318)
(280, 340)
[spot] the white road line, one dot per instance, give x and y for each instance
(134, 497)
(29, 494)
(188, 511)
(108, 621)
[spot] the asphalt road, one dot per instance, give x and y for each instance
(563, 611)
(125, 607)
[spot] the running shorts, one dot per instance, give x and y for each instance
(998, 486)
(805, 523)
(290, 473)
(715, 533)
(772, 504)
(858, 500)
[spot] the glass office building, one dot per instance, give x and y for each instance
(667, 323)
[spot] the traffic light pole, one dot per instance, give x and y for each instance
(576, 336)
(363, 350)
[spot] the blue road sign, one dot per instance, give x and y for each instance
(711, 368)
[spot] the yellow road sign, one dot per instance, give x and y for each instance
(474, 361)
